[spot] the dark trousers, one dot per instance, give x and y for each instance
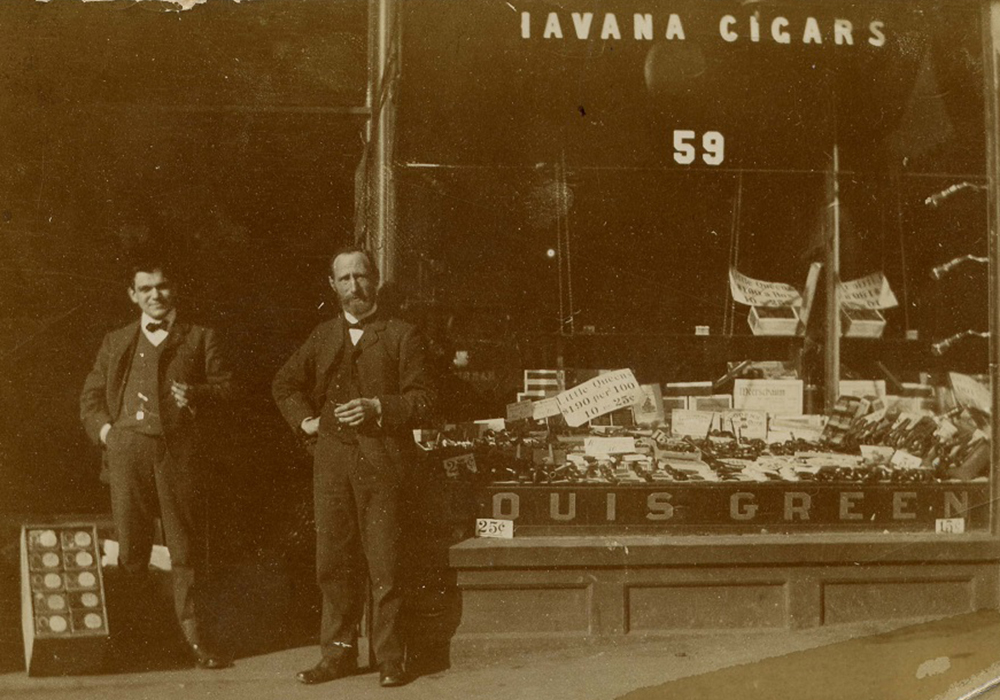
(148, 481)
(358, 535)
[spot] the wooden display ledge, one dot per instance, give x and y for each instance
(606, 586)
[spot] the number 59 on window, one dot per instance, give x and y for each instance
(713, 147)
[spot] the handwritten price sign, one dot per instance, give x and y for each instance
(602, 394)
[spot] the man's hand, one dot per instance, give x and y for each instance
(357, 411)
(182, 393)
(310, 426)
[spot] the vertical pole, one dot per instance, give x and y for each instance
(564, 216)
(560, 254)
(991, 91)
(377, 163)
(383, 227)
(832, 356)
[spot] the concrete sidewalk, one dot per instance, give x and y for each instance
(488, 670)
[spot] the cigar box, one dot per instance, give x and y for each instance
(861, 323)
(773, 320)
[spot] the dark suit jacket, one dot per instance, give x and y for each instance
(190, 355)
(391, 365)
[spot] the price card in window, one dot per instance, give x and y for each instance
(521, 410)
(949, 526)
(491, 527)
(453, 465)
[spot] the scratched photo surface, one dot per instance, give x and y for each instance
(705, 271)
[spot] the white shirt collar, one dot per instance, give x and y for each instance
(160, 335)
(351, 318)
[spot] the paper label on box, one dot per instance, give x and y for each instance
(492, 527)
(780, 397)
(598, 396)
(546, 408)
(949, 526)
(902, 459)
(648, 408)
(969, 391)
(877, 453)
(598, 446)
(869, 292)
(715, 402)
(687, 388)
(521, 410)
(861, 388)
(751, 292)
(496, 424)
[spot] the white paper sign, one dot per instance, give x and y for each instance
(748, 425)
(949, 526)
(453, 465)
(868, 292)
(902, 459)
(598, 396)
(779, 397)
(546, 408)
(746, 290)
(808, 427)
(491, 527)
(693, 423)
(971, 392)
(521, 410)
(599, 446)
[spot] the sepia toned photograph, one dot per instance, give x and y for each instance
(560, 349)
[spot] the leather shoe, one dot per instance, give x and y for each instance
(327, 670)
(204, 658)
(391, 675)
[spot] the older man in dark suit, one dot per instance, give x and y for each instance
(357, 387)
(141, 403)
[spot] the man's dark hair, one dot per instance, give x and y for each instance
(354, 248)
(150, 263)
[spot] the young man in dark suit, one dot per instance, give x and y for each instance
(141, 404)
(358, 386)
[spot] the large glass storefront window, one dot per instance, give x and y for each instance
(773, 215)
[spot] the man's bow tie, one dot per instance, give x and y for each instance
(154, 326)
(360, 325)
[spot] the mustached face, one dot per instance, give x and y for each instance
(354, 282)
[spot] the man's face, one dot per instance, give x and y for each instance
(151, 292)
(354, 283)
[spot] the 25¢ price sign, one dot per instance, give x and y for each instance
(689, 146)
(492, 527)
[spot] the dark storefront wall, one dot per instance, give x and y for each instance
(225, 132)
